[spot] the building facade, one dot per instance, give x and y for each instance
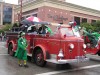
(56, 11)
(6, 13)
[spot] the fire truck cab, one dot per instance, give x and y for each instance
(63, 45)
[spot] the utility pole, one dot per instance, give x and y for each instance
(21, 10)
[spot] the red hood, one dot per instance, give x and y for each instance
(78, 39)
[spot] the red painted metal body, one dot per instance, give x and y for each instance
(51, 45)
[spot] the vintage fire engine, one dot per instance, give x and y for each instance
(62, 46)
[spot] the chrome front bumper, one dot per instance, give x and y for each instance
(63, 61)
(72, 60)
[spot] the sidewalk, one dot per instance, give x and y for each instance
(3, 49)
(2, 39)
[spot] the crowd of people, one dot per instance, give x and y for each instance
(43, 29)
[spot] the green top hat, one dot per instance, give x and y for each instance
(22, 34)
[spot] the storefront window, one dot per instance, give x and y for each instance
(93, 21)
(77, 20)
(7, 15)
(84, 20)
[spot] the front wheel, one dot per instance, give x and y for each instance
(10, 50)
(39, 58)
(98, 54)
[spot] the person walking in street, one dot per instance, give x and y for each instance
(21, 52)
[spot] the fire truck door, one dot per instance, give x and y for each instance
(54, 46)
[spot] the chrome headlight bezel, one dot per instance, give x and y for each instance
(84, 46)
(71, 46)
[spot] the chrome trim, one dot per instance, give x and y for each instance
(72, 60)
(63, 61)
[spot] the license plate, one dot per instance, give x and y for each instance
(80, 58)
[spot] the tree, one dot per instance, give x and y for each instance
(6, 28)
(15, 25)
(88, 26)
(96, 26)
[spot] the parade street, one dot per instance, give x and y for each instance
(9, 66)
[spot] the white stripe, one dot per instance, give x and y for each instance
(81, 68)
(4, 54)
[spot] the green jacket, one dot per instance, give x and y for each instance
(21, 52)
(49, 30)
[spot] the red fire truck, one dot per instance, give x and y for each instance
(62, 46)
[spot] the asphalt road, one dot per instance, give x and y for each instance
(9, 66)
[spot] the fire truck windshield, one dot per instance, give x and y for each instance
(67, 31)
(76, 31)
(70, 31)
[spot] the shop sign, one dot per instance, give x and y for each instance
(57, 17)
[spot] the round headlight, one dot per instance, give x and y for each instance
(71, 46)
(84, 45)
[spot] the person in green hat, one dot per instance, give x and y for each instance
(21, 52)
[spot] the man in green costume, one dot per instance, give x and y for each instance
(21, 52)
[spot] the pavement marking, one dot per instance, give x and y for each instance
(4, 54)
(76, 69)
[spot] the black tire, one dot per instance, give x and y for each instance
(10, 50)
(98, 53)
(39, 58)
